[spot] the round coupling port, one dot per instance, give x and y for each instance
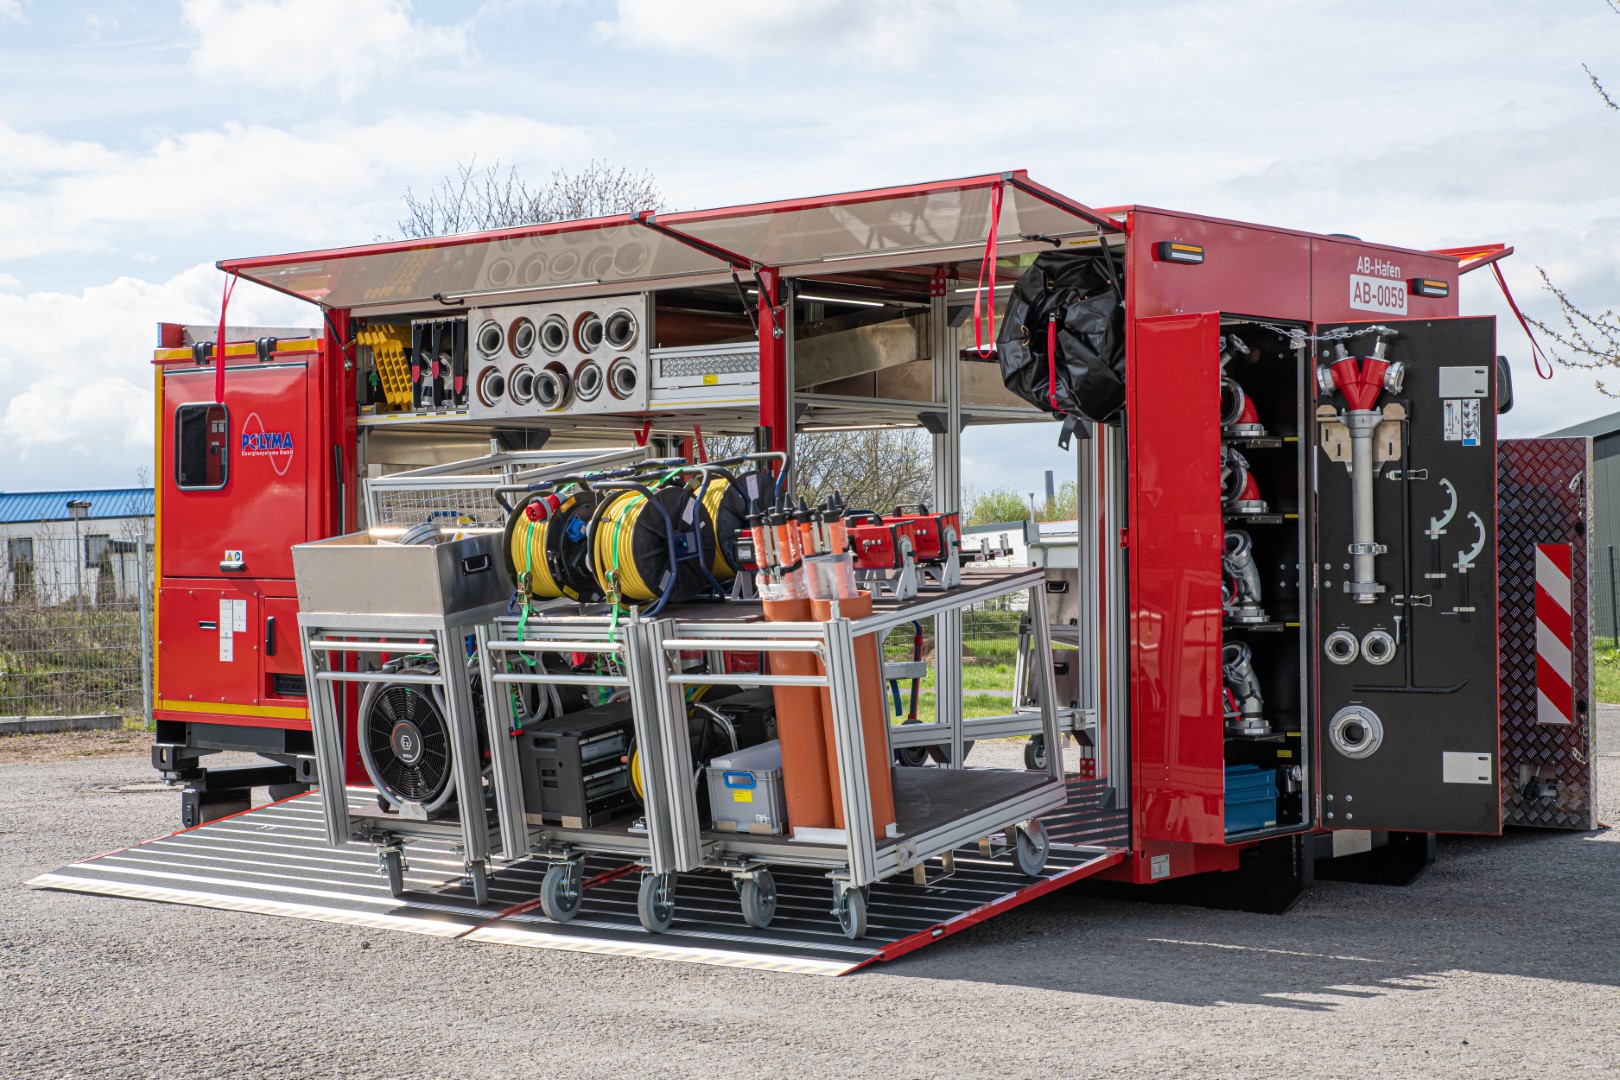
(551, 388)
(490, 339)
(588, 332)
(554, 334)
(588, 380)
(1341, 647)
(1395, 377)
(1356, 732)
(491, 386)
(619, 330)
(522, 336)
(520, 387)
(623, 378)
(1378, 647)
(1324, 379)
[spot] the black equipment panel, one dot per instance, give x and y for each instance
(1433, 702)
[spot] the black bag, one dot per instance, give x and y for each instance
(1082, 290)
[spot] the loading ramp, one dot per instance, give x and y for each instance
(274, 860)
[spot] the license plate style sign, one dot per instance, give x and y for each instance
(1381, 295)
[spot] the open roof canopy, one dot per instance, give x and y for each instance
(945, 218)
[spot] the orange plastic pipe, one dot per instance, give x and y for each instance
(801, 728)
(874, 719)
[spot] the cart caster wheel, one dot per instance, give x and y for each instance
(912, 757)
(758, 899)
(1035, 753)
(393, 868)
(850, 907)
(655, 902)
(942, 754)
(560, 892)
(1031, 846)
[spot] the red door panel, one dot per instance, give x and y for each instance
(261, 509)
(208, 649)
(278, 635)
(1175, 540)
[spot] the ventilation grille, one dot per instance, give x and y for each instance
(718, 363)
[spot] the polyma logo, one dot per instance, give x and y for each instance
(275, 445)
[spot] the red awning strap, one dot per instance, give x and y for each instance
(987, 267)
(219, 342)
(1535, 346)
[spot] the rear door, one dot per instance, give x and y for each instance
(1407, 725)
(1174, 543)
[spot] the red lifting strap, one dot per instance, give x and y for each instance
(1051, 362)
(988, 266)
(219, 342)
(1535, 346)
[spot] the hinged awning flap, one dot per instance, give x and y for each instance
(481, 267)
(949, 219)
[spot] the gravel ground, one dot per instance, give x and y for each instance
(1500, 962)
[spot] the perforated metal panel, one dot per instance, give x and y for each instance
(1546, 774)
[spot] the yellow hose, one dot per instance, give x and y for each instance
(723, 571)
(612, 558)
(529, 554)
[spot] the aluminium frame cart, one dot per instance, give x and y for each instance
(361, 599)
(1009, 801)
(504, 644)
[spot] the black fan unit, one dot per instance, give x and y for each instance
(405, 745)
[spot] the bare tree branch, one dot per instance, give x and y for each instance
(486, 198)
(1597, 84)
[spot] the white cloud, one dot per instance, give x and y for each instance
(281, 43)
(328, 181)
(11, 11)
(845, 31)
(79, 367)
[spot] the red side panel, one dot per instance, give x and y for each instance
(208, 642)
(1246, 269)
(1175, 539)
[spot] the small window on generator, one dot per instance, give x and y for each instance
(202, 444)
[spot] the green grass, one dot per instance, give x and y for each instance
(1606, 670)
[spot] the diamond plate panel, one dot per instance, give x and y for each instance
(1547, 776)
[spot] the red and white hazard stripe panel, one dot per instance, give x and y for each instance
(1555, 679)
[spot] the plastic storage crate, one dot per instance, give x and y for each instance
(1251, 798)
(745, 790)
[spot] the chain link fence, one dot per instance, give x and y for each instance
(75, 622)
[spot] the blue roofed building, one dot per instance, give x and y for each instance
(57, 547)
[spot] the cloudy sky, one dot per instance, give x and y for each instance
(140, 142)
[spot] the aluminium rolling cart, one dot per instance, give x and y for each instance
(438, 593)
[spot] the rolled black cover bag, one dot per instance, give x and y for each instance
(1087, 377)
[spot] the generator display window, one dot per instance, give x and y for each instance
(201, 446)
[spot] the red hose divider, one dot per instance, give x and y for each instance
(988, 265)
(219, 342)
(1535, 346)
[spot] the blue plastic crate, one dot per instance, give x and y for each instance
(1251, 798)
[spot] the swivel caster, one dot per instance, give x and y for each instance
(1031, 846)
(758, 899)
(655, 902)
(391, 865)
(561, 891)
(849, 904)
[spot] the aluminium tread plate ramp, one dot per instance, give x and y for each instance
(274, 860)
